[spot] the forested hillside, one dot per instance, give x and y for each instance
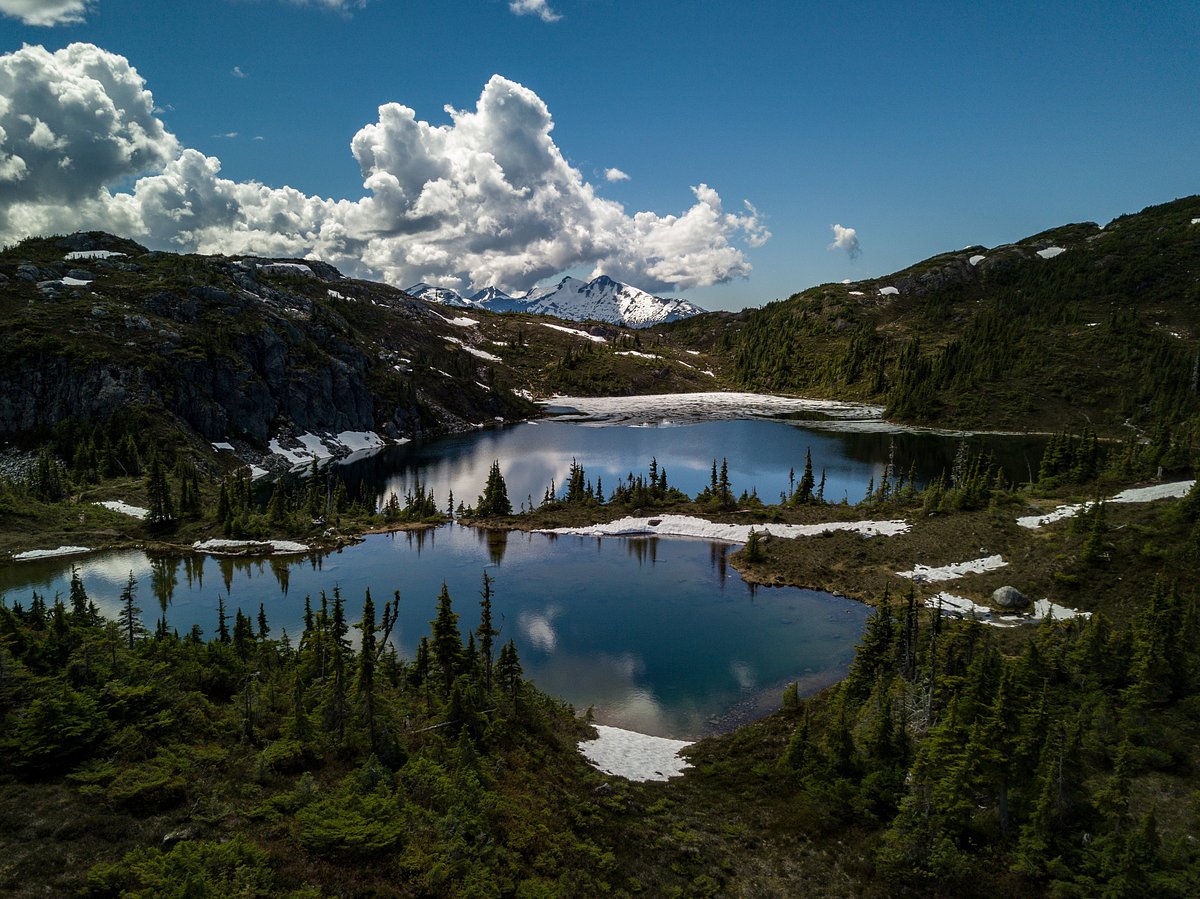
(1076, 326)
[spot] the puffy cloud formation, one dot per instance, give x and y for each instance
(539, 8)
(846, 239)
(488, 199)
(615, 175)
(45, 12)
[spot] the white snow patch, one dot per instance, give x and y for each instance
(692, 352)
(286, 268)
(50, 553)
(709, 372)
(961, 607)
(102, 254)
(976, 259)
(639, 355)
(461, 321)
(954, 570)
(256, 472)
(357, 441)
(594, 338)
(686, 365)
(76, 282)
(634, 756)
(223, 445)
(219, 547)
(335, 294)
(702, 406)
(1196, 221)
(888, 291)
(690, 526)
(1158, 491)
(322, 448)
(124, 508)
(1033, 522)
(482, 354)
(1174, 490)
(857, 293)
(1051, 252)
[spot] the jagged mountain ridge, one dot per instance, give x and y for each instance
(601, 299)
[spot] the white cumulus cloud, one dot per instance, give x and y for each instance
(615, 175)
(45, 12)
(539, 8)
(238, 73)
(488, 199)
(846, 239)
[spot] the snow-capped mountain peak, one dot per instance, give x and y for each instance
(601, 299)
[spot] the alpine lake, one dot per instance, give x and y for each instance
(656, 634)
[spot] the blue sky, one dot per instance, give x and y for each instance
(924, 127)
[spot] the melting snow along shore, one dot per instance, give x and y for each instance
(688, 526)
(634, 756)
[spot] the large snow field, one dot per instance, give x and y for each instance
(961, 607)
(125, 508)
(705, 406)
(1174, 490)
(689, 526)
(954, 570)
(634, 756)
(219, 547)
(32, 554)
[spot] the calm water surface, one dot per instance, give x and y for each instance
(658, 634)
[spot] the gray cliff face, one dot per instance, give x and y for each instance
(229, 349)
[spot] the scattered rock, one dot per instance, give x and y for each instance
(179, 835)
(1008, 597)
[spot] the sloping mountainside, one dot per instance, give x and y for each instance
(601, 299)
(244, 350)
(1077, 326)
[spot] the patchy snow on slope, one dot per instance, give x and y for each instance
(124, 508)
(461, 322)
(76, 282)
(482, 354)
(223, 445)
(961, 607)
(690, 526)
(1051, 252)
(692, 352)
(953, 571)
(1033, 522)
(335, 294)
(357, 441)
(321, 448)
(639, 355)
(218, 547)
(286, 268)
(976, 259)
(857, 293)
(1196, 221)
(889, 291)
(1175, 490)
(32, 554)
(594, 338)
(634, 756)
(94, 254)
(702, 406)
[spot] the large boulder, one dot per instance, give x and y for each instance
(1010, 598)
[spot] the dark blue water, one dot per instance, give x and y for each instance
(657, 634)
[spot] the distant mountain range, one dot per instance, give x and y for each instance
(601, 299)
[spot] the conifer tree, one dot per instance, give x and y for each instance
(486, 630)
(158, 493)
(446, 641)
(364, 687)
(508, 669)
(494, 500)
(131, 622)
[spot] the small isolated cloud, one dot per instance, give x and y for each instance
(45, 12)
(335, 5)
(615, 175)
(487, 199)
(258, 137)
(539, 8)
(228, 135)
(238, 73)
(846, 239)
